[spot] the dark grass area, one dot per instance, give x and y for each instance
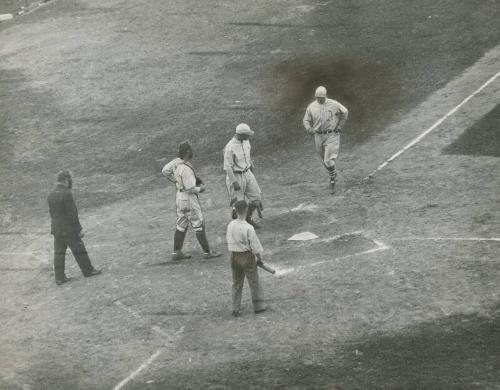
(482, 139)
(456, 352)
(379, 59)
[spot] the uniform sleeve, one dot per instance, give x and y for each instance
(307, 120)
(255, 244)
(168, 170)
(228, 158)
(342, 114)
(71, 211)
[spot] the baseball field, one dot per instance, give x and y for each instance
(400, 291)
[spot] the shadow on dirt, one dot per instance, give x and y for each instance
(370, 91)
(456, 352)
(482, 139)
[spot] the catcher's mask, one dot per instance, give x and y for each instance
(185, 150)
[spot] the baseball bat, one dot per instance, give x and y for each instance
(268, 269)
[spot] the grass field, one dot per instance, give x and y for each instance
(400, 291)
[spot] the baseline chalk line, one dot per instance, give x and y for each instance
(137, 371)
(380, 246)
(155, 328)
(479, 239)
(433, 127)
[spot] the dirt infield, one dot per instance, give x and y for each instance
(399, 291)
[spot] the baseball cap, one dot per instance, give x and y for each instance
(63, 175)
(320, 92)
(243, 128)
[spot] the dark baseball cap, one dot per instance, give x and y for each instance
(63, 176)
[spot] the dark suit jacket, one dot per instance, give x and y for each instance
(63, 212)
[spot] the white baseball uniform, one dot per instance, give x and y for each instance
(238, 164)
(325, 121)
(186, 199)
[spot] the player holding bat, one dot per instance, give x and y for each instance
(246, 255)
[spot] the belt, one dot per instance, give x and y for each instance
(327, 132)
(243, 171)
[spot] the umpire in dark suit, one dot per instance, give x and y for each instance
(66, 228)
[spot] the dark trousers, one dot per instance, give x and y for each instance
(77, 246)
(243, 264)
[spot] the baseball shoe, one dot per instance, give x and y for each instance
(332, 186)
(261, 310)
(177, 256)
(211, 255)
(236, 313)
(94, 272)
(62, 281)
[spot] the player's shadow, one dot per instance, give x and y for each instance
(454, 352)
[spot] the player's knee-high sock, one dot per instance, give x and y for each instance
(202, 239)
(333, 174)
(178, 240)
(250, 211)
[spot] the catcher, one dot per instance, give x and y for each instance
(181, 172)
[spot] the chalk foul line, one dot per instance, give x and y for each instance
(137, 371)
(169, 339)
(434, 126)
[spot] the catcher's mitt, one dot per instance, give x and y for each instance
(199, 182)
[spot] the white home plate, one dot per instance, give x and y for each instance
(304, 236)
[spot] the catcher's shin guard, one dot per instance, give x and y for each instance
(202, 240)
(178, 240)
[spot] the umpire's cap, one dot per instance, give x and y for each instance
(243, 128)
(184, 148)
(63, 176)
(320, 92)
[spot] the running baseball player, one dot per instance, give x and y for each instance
(324, 119)
(189, 211)
(240, 180)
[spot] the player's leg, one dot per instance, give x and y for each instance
(320, 145)
(234, 195)
(81, 256)
(182, 224)
(197, 221)
(332, 145)
(238, 280)
(254, 196)
(60, 245)
(254, 284)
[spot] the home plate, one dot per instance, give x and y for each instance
(304, 236)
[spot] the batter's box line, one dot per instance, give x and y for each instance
(379, 247)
